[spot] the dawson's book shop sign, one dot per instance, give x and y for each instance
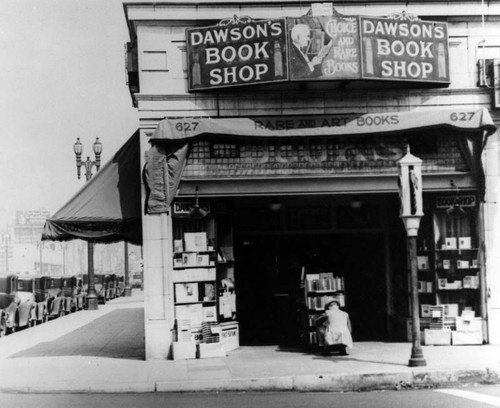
(243, 51)
(237, 51)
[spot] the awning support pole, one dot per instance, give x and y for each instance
(92, 301)
(128, 289)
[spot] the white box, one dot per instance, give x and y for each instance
(450, 243)
(468, 282)
(468, 324)
(195, 241)
(193, 313)
(437, 337)
(467, 337)
(207, 350)
(229, 335)
(186, 292)
(189, 259)
(462, 264)
(423, 262)
(421, 287)
(202, 260)
(178, 246)
(425, 310)
(210, 314)
(451, 309)
(446, 264)
(464, 242)
(184, 350)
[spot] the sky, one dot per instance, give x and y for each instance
(62, 76)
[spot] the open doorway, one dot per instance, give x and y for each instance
(269, 282)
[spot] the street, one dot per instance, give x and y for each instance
(472, 397)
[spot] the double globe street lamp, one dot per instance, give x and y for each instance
(92, 300)
(78, 148)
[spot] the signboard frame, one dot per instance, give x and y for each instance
(399, 22)
(408, 50)
(231, 62)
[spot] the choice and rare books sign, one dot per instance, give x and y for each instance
(237, 52)
(242, 51)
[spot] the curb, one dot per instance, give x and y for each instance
(300, 383)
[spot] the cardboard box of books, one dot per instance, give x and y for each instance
(466, 337)
(229, 335)
(184, 350)
(207, 350)
(437, 337)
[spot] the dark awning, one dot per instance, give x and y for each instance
(172, 138)
(107, 208)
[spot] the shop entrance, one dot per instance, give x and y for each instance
(269, 282)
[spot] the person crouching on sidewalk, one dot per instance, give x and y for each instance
(335, 328)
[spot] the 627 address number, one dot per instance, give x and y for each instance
(186, 126)
(462, 116)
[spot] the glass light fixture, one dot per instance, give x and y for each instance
(197, 212)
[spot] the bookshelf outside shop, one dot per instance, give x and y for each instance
(270, 185)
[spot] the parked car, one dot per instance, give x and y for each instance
(56, 298)
(41, 298)
(26, 308)
(136, 281)
(79, 296)
(67, 294)
(8, 305)
(112, 283)
(120, 286)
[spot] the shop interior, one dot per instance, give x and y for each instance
(278, 241)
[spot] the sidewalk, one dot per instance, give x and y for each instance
(103, 351)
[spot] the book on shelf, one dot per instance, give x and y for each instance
(186, 292)
(226, 254)
(324, 282)
(227, 304)
(319, 302)
(208, 291)
(424, 287)
(178, 245)
(183, 330)
(470, 282)
(210, 314)
(423, 262)
(192, 313)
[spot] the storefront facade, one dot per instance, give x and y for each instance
(295, 172)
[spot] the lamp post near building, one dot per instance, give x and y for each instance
(411, 211)
(92, 301)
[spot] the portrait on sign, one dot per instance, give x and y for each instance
(323, 48)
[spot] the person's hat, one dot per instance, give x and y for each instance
(330, 302)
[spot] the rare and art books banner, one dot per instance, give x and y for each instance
(242, 51)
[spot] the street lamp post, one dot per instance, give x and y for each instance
(92, 301)
(127, 290)
(40, 247)
(411, 211)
